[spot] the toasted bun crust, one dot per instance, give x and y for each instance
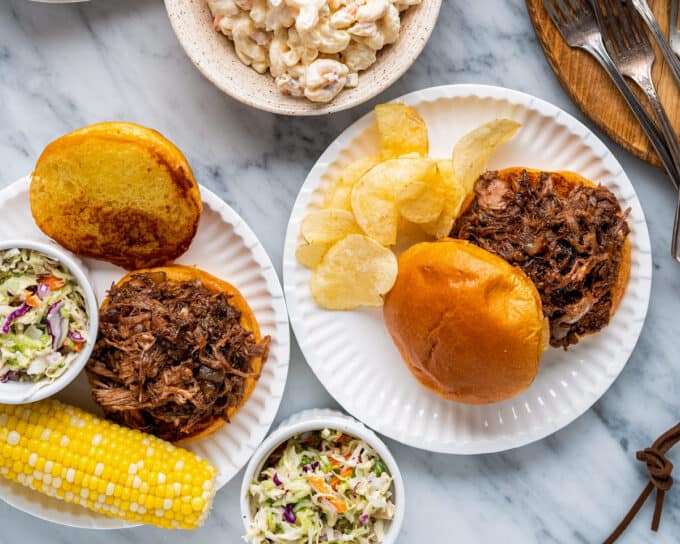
(468, 324)
(179, 273)
(565, 181)
(118, 192)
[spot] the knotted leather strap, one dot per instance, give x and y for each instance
(659, 469)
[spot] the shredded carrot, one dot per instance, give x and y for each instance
(32, 299)
(334, 462)
(346, 473)
(338, 504)
(53, 282)
(335, 482)
(321, 487)
(318, 484)
(78, 346)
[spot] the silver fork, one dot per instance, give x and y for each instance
(674, 32)
(632, 53)
(579, 28)
(647, 15)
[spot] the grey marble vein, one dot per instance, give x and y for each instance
(65, 66)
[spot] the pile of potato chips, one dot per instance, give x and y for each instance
(347, 242)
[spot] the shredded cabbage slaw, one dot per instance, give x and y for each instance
(321, 486)
(43, 320)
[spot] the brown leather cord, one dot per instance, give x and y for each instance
(660, 470)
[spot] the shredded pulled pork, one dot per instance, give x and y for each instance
(568, 240)
(171, 356)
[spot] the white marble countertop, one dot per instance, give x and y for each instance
(62, 67)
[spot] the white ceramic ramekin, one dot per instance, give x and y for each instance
(316, 420)
(23, 393)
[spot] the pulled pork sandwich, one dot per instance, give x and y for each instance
(568, 235)
(179, 352)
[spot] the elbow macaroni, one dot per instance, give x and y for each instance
(312, 48)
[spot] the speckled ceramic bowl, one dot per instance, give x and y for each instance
(213, 54)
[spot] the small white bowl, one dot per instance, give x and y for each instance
(317, 420)
(23, 393)
(214, 55)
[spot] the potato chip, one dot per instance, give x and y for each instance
(355, 272)
(420, 202)
(410, 234)
(328, 226)
(374, 195)
(454, 196)
(445, 170)
(339, 196)
(310, 255)
(473, 150)
(402, 130)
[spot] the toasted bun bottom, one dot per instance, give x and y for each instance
(468, 324)
(179, 273)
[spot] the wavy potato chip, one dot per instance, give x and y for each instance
(445, 171)
(310, 255)
(328, 225)
(409, 156)
(420, 202)
(374, 195)
(339, 196)
(454, 196)
(402, 130)
(356, 271)
(474, 150)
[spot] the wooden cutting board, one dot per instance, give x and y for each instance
(592, 90)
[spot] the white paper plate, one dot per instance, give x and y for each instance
(226, 247)
(352, 353)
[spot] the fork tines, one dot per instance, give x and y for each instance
(623, 24)
(562, 12)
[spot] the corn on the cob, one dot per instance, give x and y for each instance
(70, 454)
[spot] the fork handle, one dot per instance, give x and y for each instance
(647, 86)
(645, 12)
(675, 237)
(666, 127)
(597, 49)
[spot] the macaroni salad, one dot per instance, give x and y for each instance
(312, 48)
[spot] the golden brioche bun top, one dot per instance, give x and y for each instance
(180, 273)
(468, 324)
(118, 192)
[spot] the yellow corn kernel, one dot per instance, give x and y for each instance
(67, 453)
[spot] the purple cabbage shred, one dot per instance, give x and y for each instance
(76, 337)
(11, 375)
(288, 514)
(16, 314)
(54, 323)
(43, 290)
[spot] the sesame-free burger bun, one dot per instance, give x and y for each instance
(468, 324)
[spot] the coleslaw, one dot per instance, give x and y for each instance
(321, 486)
(43, 320)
